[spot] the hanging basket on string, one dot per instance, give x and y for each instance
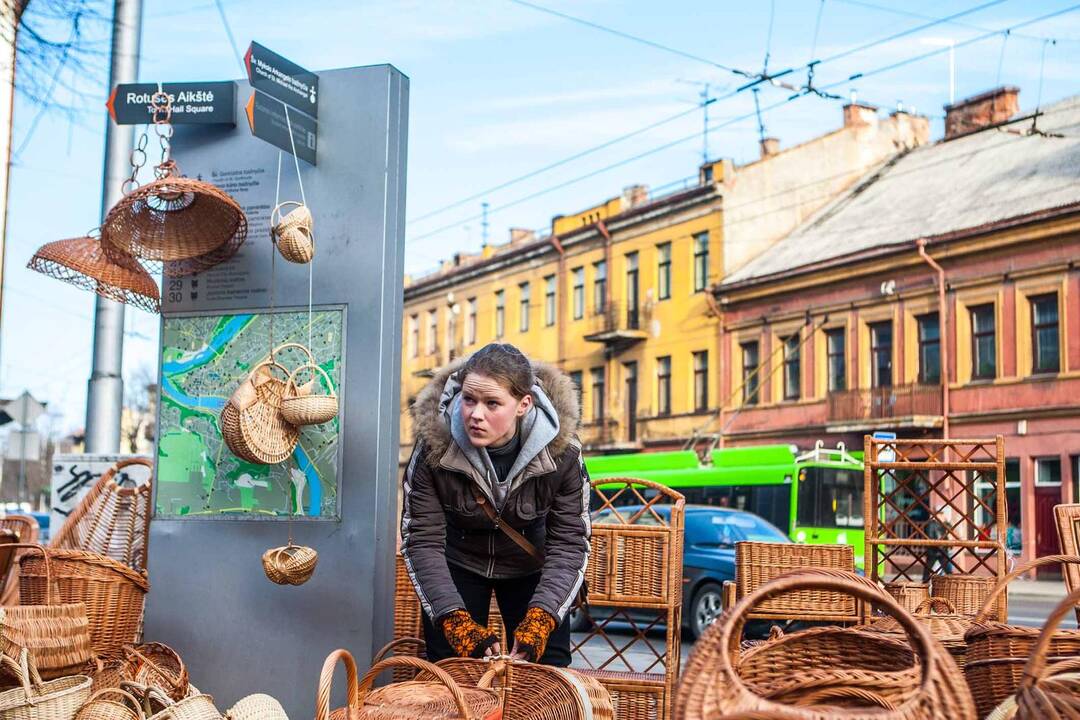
(293, 233)
(301, 406)
(83, 262)
(187, 224)
(290, 565)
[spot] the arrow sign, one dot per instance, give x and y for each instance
(194, 103)
(266, 117)
(282, 79)
(24, 409)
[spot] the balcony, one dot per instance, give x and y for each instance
(900, 406)
(618, 327)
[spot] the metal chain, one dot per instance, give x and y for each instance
(162, 109)
(137, 160)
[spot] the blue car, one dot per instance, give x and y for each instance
(708, 554)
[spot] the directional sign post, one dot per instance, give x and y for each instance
(282, 79)
(266, 117)
(194, 103)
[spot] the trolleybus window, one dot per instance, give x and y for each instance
(830, 498)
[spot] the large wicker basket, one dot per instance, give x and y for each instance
(909, 595)
(113, 593)
(759, 562)
(441, 699)
(251, 421)
(967, 593)
(810, 681)
(533, 692)
(997, 652)
(37, 699)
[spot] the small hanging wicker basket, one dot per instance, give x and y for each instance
(82, 262)
(175, 219)
(301, 406)
(290, 564)
(293, 233)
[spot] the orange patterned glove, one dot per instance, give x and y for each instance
(532, 633)
(465, 635)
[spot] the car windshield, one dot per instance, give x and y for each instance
(729, 528)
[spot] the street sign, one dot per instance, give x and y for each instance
(24, 409)
(23, 445)
(193, 103)
(887, 453)
(266, 117)
(282, 79)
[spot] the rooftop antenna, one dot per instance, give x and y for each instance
(706, 101)
(760, 124)
(484, 223)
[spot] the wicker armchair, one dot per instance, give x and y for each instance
(26, 530)
(756, 563)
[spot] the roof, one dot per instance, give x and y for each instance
(976, 181)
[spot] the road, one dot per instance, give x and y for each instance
(1028, 610)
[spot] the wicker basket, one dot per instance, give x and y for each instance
(56, 634)
(533, 692)
(157, 665)
(1046, 692)
(256, 431)
(39, 699)
(26, 529)
(82, 262)
(939, 617)
(909, 595)
(811, 680)
(256, 707)
(290, 564)
(112, 519)
(301, 406)
(105, 673)
(113, 593)
(997, 652)
(967, 593)
(121, 705)
(193, 707)
(293, 233)
(411, 700)
(758, 562)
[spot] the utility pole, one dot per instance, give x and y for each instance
(105, 393)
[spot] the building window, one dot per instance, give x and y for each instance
(929, 349)
(451, 335)
(414, 336)
(1044, 334)
(432, 332)
(750, 375)
(792, 366)
(549, 300)
(597, 394)
(701, 261)
(632, 291)
(599, 286)
(663, 385)
(523, 307)
(663, 271)
(470, 325)
(983, 345)
(701, 381)
(881, 354)
(579, 293)
(500, 313)
(835, 346)
(575, 380)
(986, 506)
(1048, 471)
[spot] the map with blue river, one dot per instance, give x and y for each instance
(203, 361)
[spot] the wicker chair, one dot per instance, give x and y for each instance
(26, 530)
(635, 572)
(756, 563)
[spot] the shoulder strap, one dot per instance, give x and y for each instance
(510, 532)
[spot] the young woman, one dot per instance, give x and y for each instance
(496, 456)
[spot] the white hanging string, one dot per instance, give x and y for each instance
(296, 161)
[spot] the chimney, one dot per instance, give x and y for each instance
(521, 235)
(859, 115)
(769, 147)
(981, 111)
(634, 195)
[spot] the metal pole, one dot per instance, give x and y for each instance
(105, 393)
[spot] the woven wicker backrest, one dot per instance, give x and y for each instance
(26, 527)
(757, 563)
(113, 519)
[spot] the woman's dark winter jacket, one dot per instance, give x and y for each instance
(545, 498)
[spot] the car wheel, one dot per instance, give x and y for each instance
(579, 620)
(707, 607)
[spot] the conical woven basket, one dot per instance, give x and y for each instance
(293, 233)
(173, 219)
(290, 564)
(300, 406)
(82, 262)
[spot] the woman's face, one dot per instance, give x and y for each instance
(489, 410)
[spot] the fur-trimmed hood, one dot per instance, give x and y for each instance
(430, 426)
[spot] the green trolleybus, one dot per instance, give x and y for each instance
(815, 496)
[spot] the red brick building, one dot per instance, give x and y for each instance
(836, 330)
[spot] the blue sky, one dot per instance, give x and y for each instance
(499, 90)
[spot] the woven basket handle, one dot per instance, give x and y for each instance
(1035, 668)
(499, 668)
(131, 650)
(834, 580)
(393, 645)
(48, 572)
(290, 385)
(403, 661)
(283, 346)
(935, 605)
(1003, 584)
(836, 692)
(25, 672)
(125, 463)
(326, 680)
(276, 212)
(124, 695)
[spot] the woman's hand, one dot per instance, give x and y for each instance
(531, 635)
(494, 650)
(517, 653)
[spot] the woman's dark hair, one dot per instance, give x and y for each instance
(503, 363)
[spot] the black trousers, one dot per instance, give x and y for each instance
(513, 597)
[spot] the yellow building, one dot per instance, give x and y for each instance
(618, 294)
